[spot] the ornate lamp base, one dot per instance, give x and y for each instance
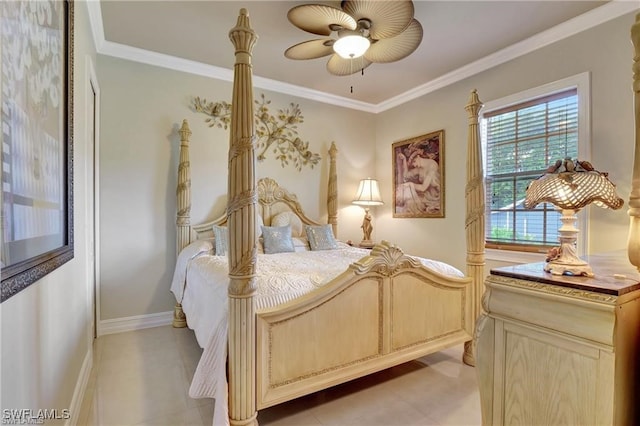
(366, 244)
(567, 260)
(366, 230)
(560, 268)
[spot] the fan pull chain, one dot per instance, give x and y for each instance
(361, 73)
(351, 72)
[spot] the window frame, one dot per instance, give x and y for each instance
(580, 82)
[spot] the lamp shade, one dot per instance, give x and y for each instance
(573, 185)
(368, 193)
(351, 46)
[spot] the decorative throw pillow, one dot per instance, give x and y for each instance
(321, 237)
(221, 239)
(289, 218)
(277, 239)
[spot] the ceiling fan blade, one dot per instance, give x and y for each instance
(337, 65)
(398, 47)
(310, 49)
(388, 18)
(317, 18)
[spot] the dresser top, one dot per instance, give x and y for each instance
(614, 274)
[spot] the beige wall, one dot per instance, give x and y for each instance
(45, 328)
(604, 51)
(142, 108)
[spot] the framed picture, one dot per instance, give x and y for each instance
(418, 176)
(37, 140)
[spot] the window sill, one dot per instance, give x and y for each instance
(513, 256)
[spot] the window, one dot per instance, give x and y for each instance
(521, 138)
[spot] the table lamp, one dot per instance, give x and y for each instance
(571, 186)
(368, 195)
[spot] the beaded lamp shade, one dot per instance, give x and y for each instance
(573, 189)
(571, 186)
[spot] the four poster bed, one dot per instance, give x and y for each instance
(374, 310)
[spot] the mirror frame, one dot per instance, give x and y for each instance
(22, 274)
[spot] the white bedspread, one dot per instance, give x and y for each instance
(280, 278)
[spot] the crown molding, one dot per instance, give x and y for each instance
(95, 21)
(315, 95)
(162, 60)
(597, 16)
(607, 12)
(148, 57)
(198, 68)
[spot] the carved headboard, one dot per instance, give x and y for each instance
(272, 199)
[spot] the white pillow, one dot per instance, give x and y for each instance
(259, 225)
(300, 244)
(289, 218)
(195, 248)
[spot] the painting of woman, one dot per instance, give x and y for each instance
(418, 176)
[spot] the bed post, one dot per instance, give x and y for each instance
(474, 223)
(183, 191)
(183, 220)
(634, 199)
(332, 194)
(241, 214)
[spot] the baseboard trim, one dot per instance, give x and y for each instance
(81, 388)
(137, 322)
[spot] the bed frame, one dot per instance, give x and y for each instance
(384, 310)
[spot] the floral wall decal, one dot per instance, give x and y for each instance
(274, 133)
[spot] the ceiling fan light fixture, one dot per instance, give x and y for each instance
(359, 33)
(351, 46)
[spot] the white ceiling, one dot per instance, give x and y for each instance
(460, 38)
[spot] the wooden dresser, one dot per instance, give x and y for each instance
(554, 350)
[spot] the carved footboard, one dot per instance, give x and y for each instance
(385, 310)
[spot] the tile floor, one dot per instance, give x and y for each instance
(142, 378)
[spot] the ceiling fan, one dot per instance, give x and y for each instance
(365, 32)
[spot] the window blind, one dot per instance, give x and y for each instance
(522, 140)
